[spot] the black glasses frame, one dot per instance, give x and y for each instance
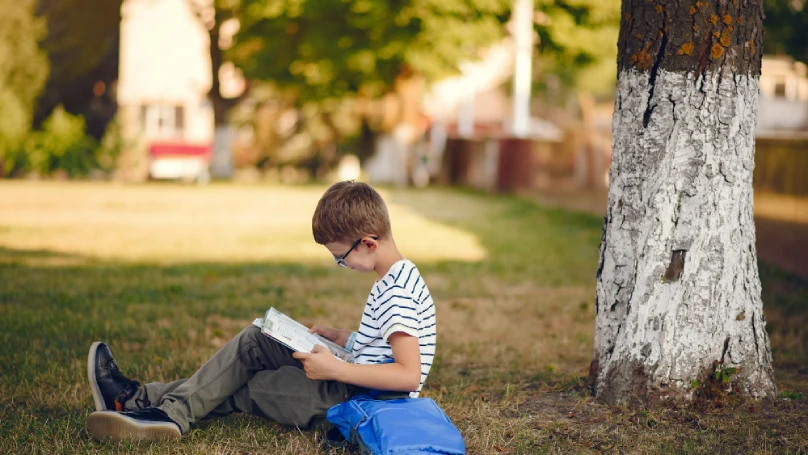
(341, 260)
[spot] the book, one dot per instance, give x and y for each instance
(296, 336)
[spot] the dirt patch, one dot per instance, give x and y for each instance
(568, 408)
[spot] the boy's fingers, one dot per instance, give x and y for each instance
(301, 355)
(318, 348)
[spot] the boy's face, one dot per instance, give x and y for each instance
(358, 255)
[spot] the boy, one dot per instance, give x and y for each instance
(393, 347)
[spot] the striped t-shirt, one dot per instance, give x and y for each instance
(399, 302)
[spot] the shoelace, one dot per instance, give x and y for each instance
(128, 386)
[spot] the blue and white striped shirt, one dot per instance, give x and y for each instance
(399, 302)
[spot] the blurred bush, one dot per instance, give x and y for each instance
(61, 144)
(110, 147)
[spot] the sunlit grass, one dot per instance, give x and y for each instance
(167, 273)
(781, 207)
(185, 223)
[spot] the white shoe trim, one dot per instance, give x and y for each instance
(118, 427)
(98, 397)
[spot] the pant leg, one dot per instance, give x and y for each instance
(288, 397)
(285, 396)
(230, 369)
(151, 393)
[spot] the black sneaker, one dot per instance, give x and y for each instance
(150, 424)
(110, 388)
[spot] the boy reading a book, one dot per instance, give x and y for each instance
(393, 347)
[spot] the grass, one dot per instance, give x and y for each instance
(167, 273)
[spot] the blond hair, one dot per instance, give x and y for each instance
(348, 211)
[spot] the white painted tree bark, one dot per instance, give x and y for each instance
(678, 287)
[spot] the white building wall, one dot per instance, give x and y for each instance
(783, 103)
(164, 61)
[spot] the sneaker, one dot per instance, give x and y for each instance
(110, 388)
(150, 424)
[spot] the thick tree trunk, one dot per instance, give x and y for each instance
(677, 284)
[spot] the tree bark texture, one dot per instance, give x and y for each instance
(678, 291)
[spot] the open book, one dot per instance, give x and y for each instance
(296, 336)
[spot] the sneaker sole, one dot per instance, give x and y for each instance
(114, 426)
(97, 396)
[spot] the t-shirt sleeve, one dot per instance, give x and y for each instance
(396, 312)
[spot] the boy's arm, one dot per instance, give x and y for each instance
(403, 375)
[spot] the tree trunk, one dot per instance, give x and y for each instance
(222, 164)
(678, 292)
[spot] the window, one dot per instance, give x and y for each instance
(780, 89)
(162, 121)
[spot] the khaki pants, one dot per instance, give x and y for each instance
(253, 374)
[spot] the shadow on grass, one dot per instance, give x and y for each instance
(12, 256)
(783, 243)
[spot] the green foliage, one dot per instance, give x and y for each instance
(300, 44)
(330, 49)
(578, 43)
(110, 147)
(784, 27)
(61, 144)
(723, 375)
(13, 127)
(23, 69)
(789, 395)
(23, 66)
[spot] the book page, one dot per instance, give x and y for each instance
(296, 336)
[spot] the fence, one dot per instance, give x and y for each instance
(506, 164)
(781, 165)
(511, 165)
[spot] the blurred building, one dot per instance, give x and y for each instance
(478, 100)
(783, 103)
(164, 79)
(781, 161)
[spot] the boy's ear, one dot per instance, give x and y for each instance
(371, 242)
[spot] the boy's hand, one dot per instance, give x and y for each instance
(320, 364)
(338, 336)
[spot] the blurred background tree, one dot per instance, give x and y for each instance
(332, 49)
(23, 69)
(577, 47)
(58, 61)
(785, 27)
(82, 44)
(328, 53)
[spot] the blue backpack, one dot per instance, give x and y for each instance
(403, 426)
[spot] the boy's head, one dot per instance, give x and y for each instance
(349, 211)
(351, 214)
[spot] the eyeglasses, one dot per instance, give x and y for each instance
(341, 260)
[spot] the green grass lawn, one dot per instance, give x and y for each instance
(167, 273)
